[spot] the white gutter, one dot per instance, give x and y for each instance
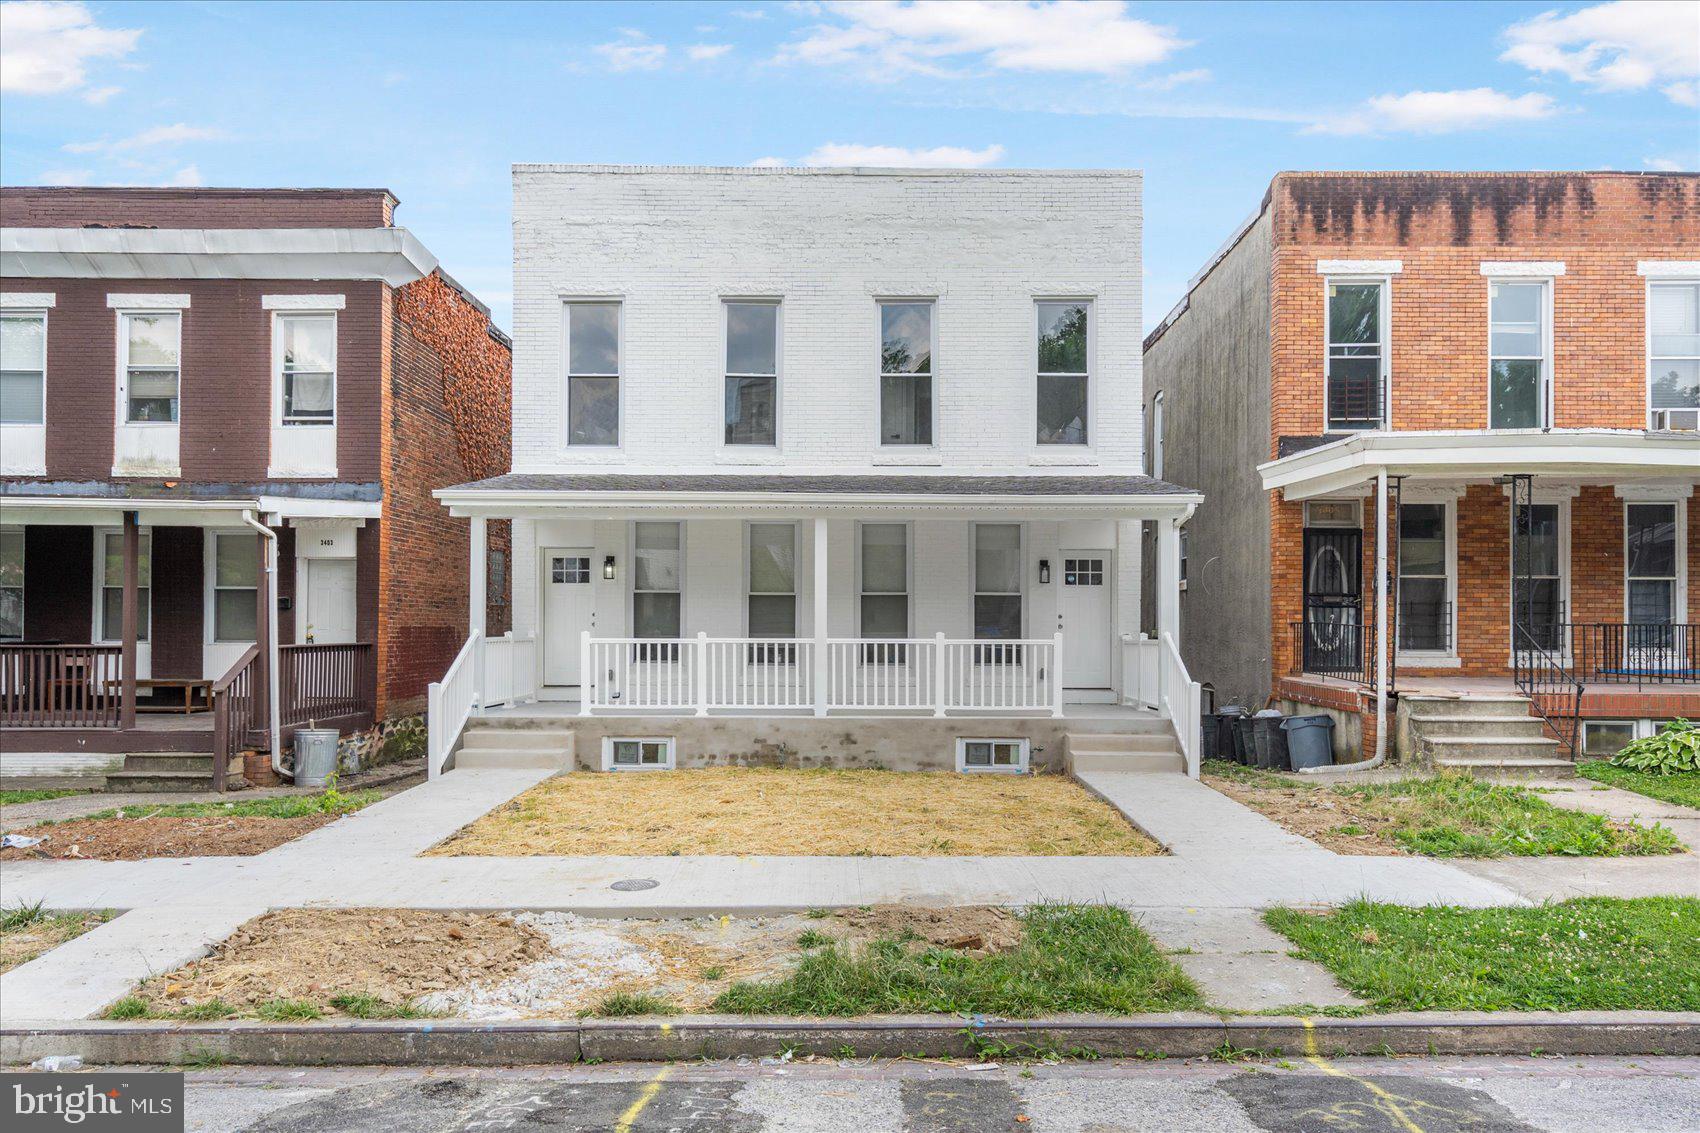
(270, 645)
(1152, 506)
(393, 255)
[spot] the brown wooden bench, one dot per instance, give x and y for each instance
(188, 685)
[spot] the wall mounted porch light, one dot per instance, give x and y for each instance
(1044, 571)
(608, 567)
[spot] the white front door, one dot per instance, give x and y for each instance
(328, 586)
(568, 610)
(1084, 615)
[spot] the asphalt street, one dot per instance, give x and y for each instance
(1395, 1095)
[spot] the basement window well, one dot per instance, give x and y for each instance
(637, 754)
(991, 755)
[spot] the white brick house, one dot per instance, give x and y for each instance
(823, 443)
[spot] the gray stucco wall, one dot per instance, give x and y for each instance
(1212, 367)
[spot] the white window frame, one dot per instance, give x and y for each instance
(1647, 306)
(669, 746)
(1546, 378)
(1450, 504)
(932, 375)
(1678, 580)
(974, 590)
(1024, 753)
(280, 385)
(98, 624)
(908, 576)
(632, 590)
(124, 316)
(1055, 448)
(23, 587)
(41, 313)
(796, 576)
(1159, 422)
(619, 376)
(1355, 522)
(210, 586)
(1563, 506)
(1644, 726)
(778, 375)
(1384, 316)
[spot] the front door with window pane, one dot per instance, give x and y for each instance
(1425, 609)
(1333, 600)
(1650, 585)
(1537, 581)
(1084, 615)
(568, 610)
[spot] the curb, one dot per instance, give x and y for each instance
(537, 1042)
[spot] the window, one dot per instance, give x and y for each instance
(307, 382)
(637, 754)
(1157, 424)
(23, 368)
(997, 581)
(885, 580)
(1083, 572)
(569, 570)
(752, 373)
(1537, 603)
(1063, 330)
(906, 373)
(1650, 564)
(496, 572)
(112, 585)
(1186, 553)
(1602, 739)
(655, 579)
(152, 355)
(1425, 613)
(593, 373)
(1009, 756)
(772, 593)
(1357, 356)
(1517, 345)
(236, 577)
(1673, 369)
(11, 583)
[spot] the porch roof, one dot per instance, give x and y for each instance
(528, 493)
(1460, 456)
(189, 504)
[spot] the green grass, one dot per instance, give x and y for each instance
(283, 1010)
(21, 916)
(1590, 954)
(622, 1005)
(1458, 816)
(14, 798)
(371, 1007)
(203, 1012)
(1682, 788)
(130, 1007)
(1085, 958)
(281, 806)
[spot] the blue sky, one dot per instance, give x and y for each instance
(435, 101)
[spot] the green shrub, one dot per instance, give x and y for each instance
(1674, 750)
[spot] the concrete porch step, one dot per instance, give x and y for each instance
(1447, 727)
(152, 781)
(1492, 747)
(1422, 706)
(1509, 766)
(1120, 741)
(156, 761)
(516, 739)
(487, 759)
(1085, 761)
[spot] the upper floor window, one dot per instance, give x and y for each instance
(1673, 369)
(593, 373)
(1063, 376)
(307, 363)
(1517, 344)
(752, 373)
(906, 373)
(1357, 356)
(1158, 424)
(152, 346)
(23, 368)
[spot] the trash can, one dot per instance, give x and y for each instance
(1225, 718)
(315, 756)
(1270, 740)
(1207, 733)
(1310, 740)
(1245, 745)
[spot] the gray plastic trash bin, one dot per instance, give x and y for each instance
(315, 756)
(1270, 740)
(1310, 740)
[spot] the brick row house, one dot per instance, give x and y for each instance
(222, 413)
(1446, 428)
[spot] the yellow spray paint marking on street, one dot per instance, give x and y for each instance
(647, 1095)
(1390, 1103)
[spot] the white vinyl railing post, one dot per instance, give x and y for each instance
(938, 674)
(584, 682)
(434, 735)
(1056, 673)
(701, 693)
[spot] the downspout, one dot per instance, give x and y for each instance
(271, 648)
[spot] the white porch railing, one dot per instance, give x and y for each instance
(1181, 699)
(449, 703)
(1139, 670)
(510, 670)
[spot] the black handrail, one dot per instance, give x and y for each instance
(1552, 689)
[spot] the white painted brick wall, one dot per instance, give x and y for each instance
(671, 243)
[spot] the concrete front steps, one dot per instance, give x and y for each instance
(1125, 751)
(490, 746)
(1485, 735)
(153, 771)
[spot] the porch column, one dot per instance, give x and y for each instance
(132, 541)
(1381, 614)
(1169, 579)
(264, 598)
(820, 597)
(477, 603)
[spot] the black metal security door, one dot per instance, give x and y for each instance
(1334, 637)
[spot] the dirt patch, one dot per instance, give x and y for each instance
(1319, 815)
(21, 945)
(132, 839)
(741, 810)
(968, 928)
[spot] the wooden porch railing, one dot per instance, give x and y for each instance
(238, 703)
(326, 682)
(60, 686)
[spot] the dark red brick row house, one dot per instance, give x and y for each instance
(222, 412)
(1446, 427)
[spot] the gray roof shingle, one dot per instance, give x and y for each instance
(849, 485)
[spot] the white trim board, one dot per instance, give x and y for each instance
(1669, 269)
(303, 302)
(1359, 267)
(142, 301)
(1522, 269)
(27, 300)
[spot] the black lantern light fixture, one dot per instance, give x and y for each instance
(1044, 572)
(608, 567)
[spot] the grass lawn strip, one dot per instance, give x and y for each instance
(1681, 788)
(1589, 954)
(26, 932)
(1447, 815)
(18, 798)
(816, 812)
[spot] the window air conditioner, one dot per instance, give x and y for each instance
(1684, 419)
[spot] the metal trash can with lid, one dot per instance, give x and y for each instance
(1310, 740)
(315, 756)
(1225, 718)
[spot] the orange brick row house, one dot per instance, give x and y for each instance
(222, 414)
(1490, 385)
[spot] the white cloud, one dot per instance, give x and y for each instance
(46, 48)
(702, 52)
(153, 138)
(633, 53)
(189, 175)
(1179, 78)
(1437, 112)
(748, 13)
(893, 157)
(887, 38)
(1626, 45)
(1665, 165)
